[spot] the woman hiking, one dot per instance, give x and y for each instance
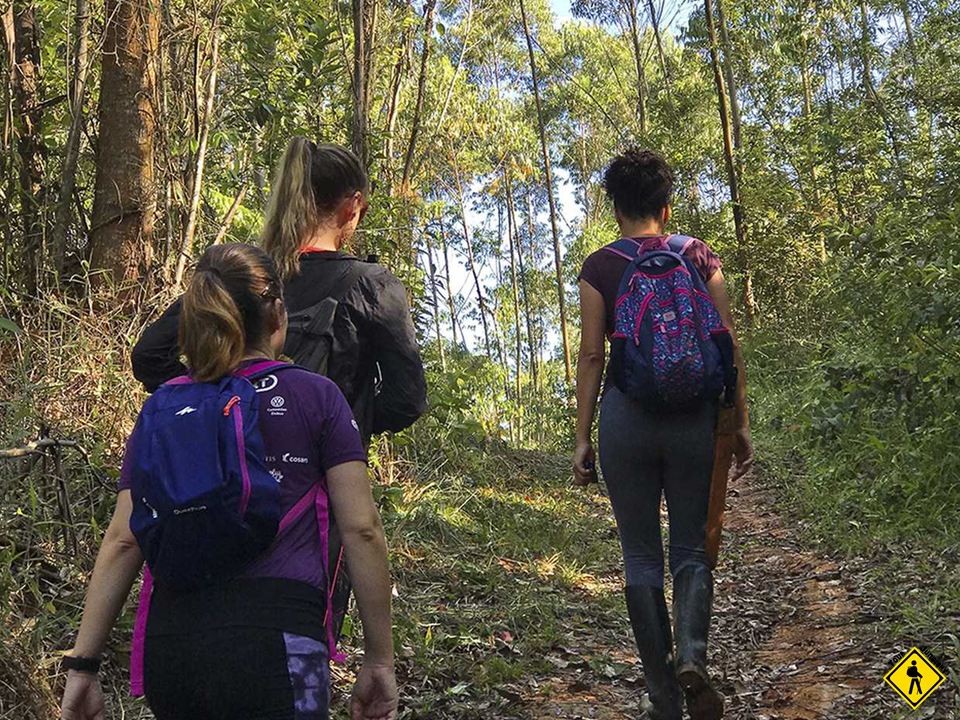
(662, 303)
(243, 638)
(317, 201)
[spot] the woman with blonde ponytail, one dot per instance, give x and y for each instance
(317, 200)
(252, 644)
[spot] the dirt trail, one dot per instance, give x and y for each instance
(793, 637)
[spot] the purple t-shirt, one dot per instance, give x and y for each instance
(307, 428)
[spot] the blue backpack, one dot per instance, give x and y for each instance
(669, 349)
(204, 504)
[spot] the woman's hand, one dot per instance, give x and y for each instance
(83, 698)
(743, 451)
(374, 694)
(584, 464)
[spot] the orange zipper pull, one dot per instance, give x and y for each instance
(233, 401)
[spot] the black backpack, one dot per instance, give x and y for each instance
(310, 330)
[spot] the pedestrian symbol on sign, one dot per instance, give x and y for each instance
(914, 678)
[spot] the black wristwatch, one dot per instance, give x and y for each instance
(81, 664)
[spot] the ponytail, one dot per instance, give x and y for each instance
(309, 184)
(292, 211)
(211, 328)
(223, 315)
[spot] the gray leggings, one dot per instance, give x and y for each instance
(644, 456)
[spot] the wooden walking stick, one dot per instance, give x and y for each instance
(722, 457)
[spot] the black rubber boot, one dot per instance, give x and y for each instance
(651, 628)
(692, 599)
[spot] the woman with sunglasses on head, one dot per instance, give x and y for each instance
(251, 640)
(317, 201)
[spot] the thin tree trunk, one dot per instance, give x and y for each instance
(8, 192)
(197, 185)
(638, 59)
(231, 213)
(436, 301)
(534, 356)
(359, 130)
(814, 174)
(732, 89)
(655, 22)
(473, 264)
(548, 176)
(732, 179)
(908, 28)
(28, 104)
(446, 271)
(873, 96)
(393, 109)
(124, 200)
(513, 239)
(421, 93)
(58, 240)
(437, 121)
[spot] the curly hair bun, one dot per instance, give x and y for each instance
(639, 182)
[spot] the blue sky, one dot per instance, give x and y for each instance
(561, 8)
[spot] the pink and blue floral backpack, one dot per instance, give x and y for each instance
(669, 348)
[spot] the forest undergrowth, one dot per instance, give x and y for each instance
(500, 566)
(485, 540)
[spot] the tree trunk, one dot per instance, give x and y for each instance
(9, 190)
(421, 92)
(873, 96)
(124, 204)
(732, 89)
(437, 121)
(58, 240)
(231, 213)
(359, 133)
(197, 185)
(534, 355)
(638, 59)
(436, 301)
(908, 28)
(446, 272)
(473, 264)
(732, 179)
(513, 238)
(28, 105)
(393, 108)
(655, 22)
(548, 176)
(814, 174)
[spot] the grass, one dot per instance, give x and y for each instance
(493, 563)
(868, 480)
(497, 559)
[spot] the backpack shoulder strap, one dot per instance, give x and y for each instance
(260, 369)
(345, 283)
(626, 248)
(679, 243)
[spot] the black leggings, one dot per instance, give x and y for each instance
(245, 650)
(237, 674)
(646, 456)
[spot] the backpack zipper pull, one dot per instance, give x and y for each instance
(229, 406)
(155, 516)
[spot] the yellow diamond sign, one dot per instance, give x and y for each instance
(914, 678)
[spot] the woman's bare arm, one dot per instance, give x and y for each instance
(589, 375)
(366, 550)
